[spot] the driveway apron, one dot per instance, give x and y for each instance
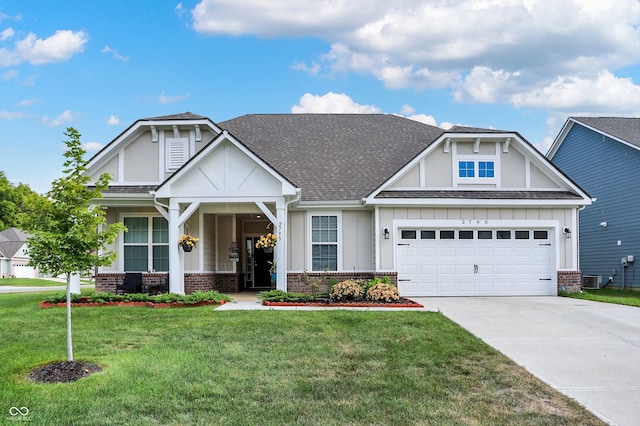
(589, 351)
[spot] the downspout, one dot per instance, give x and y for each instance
(283, 268)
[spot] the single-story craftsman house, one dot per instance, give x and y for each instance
(463, 212)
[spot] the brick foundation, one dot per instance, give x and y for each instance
(106, 283)
(224, 283)
(296, 285)
(570, 281)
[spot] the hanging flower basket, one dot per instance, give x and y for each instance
(187, 242)
(267, 242)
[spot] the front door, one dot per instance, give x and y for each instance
(257, 265)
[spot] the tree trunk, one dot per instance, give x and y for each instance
(69, 344)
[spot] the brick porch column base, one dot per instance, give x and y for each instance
(569, 281)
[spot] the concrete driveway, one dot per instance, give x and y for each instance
(587, 350)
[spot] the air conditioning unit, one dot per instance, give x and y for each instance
(592, 281)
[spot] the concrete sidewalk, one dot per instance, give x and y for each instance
(589, 351)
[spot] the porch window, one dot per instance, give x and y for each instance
(146, 244)
(324, 243)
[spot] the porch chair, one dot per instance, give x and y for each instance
(132, 283)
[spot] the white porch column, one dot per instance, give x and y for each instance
(281, 248)
(176, 261)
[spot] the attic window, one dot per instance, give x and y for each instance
(177, 153)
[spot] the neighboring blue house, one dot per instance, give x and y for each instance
(602, 155)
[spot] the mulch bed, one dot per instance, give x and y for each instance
(401, 303)
(63, 372)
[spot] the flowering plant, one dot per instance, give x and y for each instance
(267, 241)
(188, 241)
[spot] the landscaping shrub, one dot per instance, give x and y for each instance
(62, 297)
(282, 296)
(346, 290)
(136, 297)
(105, 297)
(383, 292)
(377, 280)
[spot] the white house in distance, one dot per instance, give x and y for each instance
(463, 212)
(13, 255)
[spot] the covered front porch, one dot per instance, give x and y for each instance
(225, 257)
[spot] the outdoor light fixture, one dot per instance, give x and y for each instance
(385, 232)
(567, 232)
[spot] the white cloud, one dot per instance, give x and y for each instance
(113, 120)
(423, 118)
(10, 115)
(340, 103)
(485, 85)
(92, 146)
(484, 51)
(6, 34)
(59, 47)
(26, 102)
(9, 75)
(66, 117)
(164, 99)
(606, 92)
(312, 69)
(407, 109)
(331, 103)
(115, 53)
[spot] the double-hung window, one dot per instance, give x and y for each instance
(324, 242)
(146, 244)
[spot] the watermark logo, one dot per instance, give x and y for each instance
(19, 413)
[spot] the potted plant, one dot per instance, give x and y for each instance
(188, 242)
(267, 242)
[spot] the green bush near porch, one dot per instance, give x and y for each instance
(204, 366)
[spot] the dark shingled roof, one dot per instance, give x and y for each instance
(11, 240)
(173, 117)
(626, 129)
(483, 195)
(335, 157)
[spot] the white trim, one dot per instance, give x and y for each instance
(515, 142)
(309, 240)
(150, 244)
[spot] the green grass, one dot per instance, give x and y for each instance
(29, 282)
(35, 282)
(187, 366)
(620, 297)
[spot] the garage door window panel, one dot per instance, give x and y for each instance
(465, 235)
(447, 235)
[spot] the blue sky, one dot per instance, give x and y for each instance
(523, 65)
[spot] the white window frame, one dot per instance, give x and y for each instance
(150, 244)
(310, 243)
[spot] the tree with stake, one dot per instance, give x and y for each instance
(70, 235)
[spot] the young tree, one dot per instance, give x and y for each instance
(70, 235)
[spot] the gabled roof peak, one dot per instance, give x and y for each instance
(180, 116)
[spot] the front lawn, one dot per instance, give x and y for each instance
(620, 297)
(202, 366)
(30, 282)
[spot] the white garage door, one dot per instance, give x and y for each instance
(24, 271)
(478, 262)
